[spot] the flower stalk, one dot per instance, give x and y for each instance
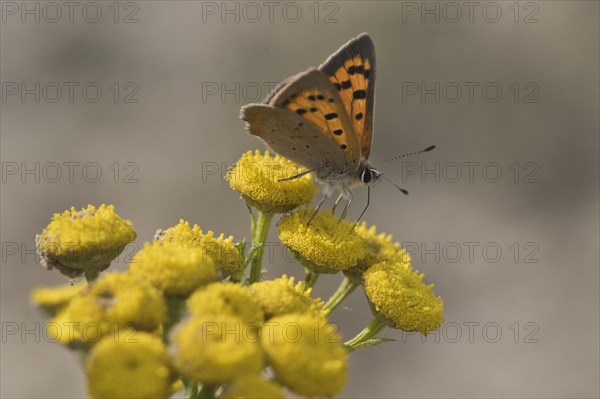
(375, 327)
(344, 290)
(260, 230)
(92, 273)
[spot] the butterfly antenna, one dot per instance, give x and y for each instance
(431, 147)
(403, 191)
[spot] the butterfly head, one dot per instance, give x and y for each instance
(369, 175)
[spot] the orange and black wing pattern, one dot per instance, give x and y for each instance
(312, 96)
(352, 70)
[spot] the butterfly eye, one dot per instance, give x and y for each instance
(366, 176)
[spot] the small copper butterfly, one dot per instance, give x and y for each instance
(322, 119)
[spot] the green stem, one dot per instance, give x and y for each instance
(310, 278)
(207, 392)
(260, 229)
(91, 273)
(370, 331)
(191, 389)
(344, 290)
(175, 309)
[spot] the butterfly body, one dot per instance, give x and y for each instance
(322, 119)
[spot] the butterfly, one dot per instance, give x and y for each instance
(322, 119)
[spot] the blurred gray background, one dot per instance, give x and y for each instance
(502, 216)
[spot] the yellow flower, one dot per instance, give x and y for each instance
(253, 387)
(256, 177)
(114, 302)
(280, 296)
(327, 245)
(380, 248)
(135, 365)
(216, 349)
(306, 354)
(84, 241)
(51, 299)
(222, 250)
(175, 268)
(226, 299)
(398, 295)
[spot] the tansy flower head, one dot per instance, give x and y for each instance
(52, 299)
(256, 177)
(253, 387)
(226, 298)
(306, 354)
(397, 294)
(280, 296)
(380, 248)
(176, 269)
(216, 349)
(113, 302)
(222, 250)
(131, 365)
(327, 245)
(86, 241)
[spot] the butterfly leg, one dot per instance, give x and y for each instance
(326, 194)
(296, 176)
(348, 195)
(337, 201)
(364, 210)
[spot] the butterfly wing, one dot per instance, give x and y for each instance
(352, 70)
(311, 96)
(291, 136)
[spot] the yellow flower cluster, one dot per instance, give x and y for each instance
(131, 365)
(175, 268)
(52, 299)
(253, 387)
(227, 339)
(115, 302)
(305, 354)
(222, 250)
(186, 313)
(380, 248)
(398, 294)
(257, 177)
(86, 241)
(280, 296)
(327, 245)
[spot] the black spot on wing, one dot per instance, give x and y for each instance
(359, 94)
(338, 132)
(356, 69)
(359, 116)
(300, 111)
(331, 116)
(346, 84)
